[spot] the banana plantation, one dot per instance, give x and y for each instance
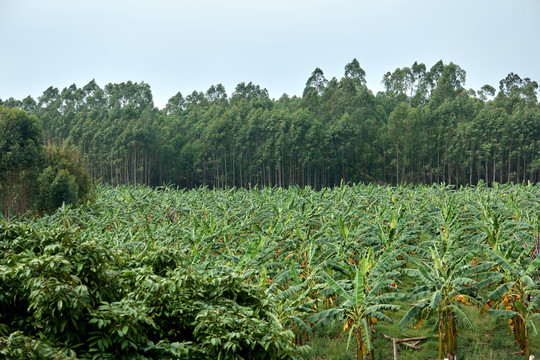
(266, 273)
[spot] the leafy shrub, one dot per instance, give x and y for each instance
(18, 346)
(83, 299)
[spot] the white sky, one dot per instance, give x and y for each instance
(176, 45)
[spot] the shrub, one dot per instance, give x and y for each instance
(80, 298)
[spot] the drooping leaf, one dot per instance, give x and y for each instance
(337, 288)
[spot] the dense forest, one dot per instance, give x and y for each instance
(424, 128)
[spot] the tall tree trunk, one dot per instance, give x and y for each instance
(494, 168)
(233, 166)
(524, 167)
(486, 178)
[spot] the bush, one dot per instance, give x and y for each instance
(84, 299)
(19, 346)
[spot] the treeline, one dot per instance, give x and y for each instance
(424, 128)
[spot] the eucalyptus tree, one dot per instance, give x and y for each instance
(209, 138)
(449, 84)
(21, 160)
(217, 94)
(418, 84)
(432, 77)
(253, 94)
(48, 110)
(488, 125)
(398, 134)
(28, 104)
(513, 90)
(355, 72)
(343, 134)
(174, 104)
(526, 124)
(487, 91)
(314, 89)
(397, 83)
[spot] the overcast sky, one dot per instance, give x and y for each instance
(176, 45)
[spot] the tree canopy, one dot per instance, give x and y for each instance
(32, 176)
(426, 127)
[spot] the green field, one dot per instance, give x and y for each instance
(274, 273)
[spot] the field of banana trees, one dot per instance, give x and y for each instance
(266, 273)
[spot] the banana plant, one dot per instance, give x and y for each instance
(444, 285)
(446, 279)
(497, 222)
(518, 297)
(292, 296)
(363, 298)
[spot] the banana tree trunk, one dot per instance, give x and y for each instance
(517, 330)
(451, 334)
(526, 341)
(441, 336)
(359, 346)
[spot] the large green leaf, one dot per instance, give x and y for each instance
(366, 337)
(294, 274)
(337, 288)
(499, 292)
(302, 324)
(358, 288)
(379, 315)
(528, 281)
(506, 314)
(435, 299)
(413, 312)
(532, 327)
(462, 317)
(325, 317)
(502, 262)
(533, 266)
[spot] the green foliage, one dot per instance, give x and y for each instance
(446, 280)
(517, 295)
(64, 180)
(100, 303)
(21, 160)
(338, 130)
(19, 346)
(34, 177)
(56, 189)
(369, 298)
(161, 273)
